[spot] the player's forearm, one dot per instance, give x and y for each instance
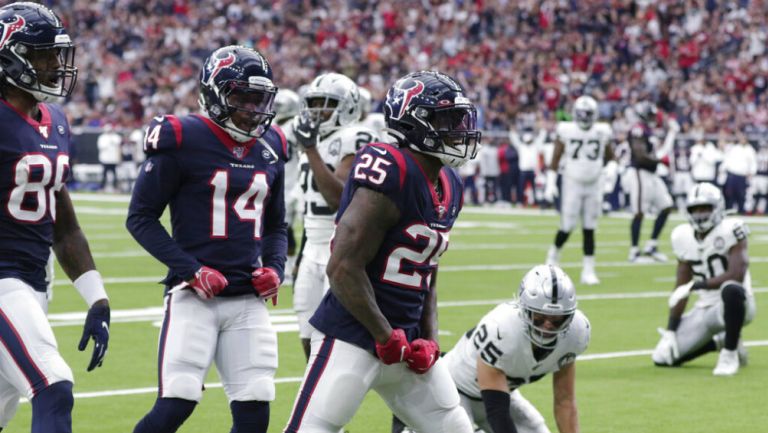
(73, 253)
(428, 323)
(274, 247)
(351, 286)
(153, 237)
(567, 417)
(330, 186)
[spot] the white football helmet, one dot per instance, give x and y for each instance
(701, 196)
(585, 111)
(333, 100)
(547, 299)
(366, 102)
(287, 105)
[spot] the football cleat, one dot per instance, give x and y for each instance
(740, 349)
(589, 277)
(727, 363)
(655, 254)
(634, 255)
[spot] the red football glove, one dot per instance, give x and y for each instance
(266, 282)
(424, 354)
(208, 282)
(396, 349)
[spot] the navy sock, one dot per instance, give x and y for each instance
(560, 238)
(52, 409)
(658, 226)
(636, 223)
(249, 416)
(734, 311)
(397, 425)
(166, 416)
(589, 242)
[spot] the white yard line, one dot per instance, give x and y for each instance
(153, 389)
(284, 315)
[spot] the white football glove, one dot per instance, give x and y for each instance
(666, 352)
(550, 187)
(680, 293)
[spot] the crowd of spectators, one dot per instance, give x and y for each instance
(702, 61)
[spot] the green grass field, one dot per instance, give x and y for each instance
(489, 253)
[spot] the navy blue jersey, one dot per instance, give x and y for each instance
(642, 133)
(401, 271)
(34, 165)
(225, 198)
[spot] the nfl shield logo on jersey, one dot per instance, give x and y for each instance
(239, 151)
(43, 130)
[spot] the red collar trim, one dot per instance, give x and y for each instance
(225, 138)
(43, 127)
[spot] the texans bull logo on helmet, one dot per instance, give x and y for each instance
(221, 64)
(10, 28)
(406, 95)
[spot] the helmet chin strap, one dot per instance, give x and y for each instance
(236, 133)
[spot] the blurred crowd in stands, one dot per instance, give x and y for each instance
(702, 61)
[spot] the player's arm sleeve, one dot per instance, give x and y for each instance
(494, 391)
(159, 179)
(274, 238)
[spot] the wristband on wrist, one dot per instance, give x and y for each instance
(91, 287)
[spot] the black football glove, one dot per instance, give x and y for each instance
(96, 327)
(306, 130)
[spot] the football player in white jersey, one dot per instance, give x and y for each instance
(518, 343)
(712, 256)
(586, 147)
(327, 132)
(287, 106)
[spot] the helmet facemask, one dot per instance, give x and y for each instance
(451, 132)
(323, 111)
(248, 107)
(544, 328)
(47, 72)
(702, 217)
(585, 118)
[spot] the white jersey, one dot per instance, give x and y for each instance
(292, 162)
(500, 341)
(584, 150)
(318, 217)
(709, 257)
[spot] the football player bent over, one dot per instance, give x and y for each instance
(221, 174)
(712, 260)
(377, 326)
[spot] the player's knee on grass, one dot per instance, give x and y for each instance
(52, 409)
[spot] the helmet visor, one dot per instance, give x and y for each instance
(250, 106)
(456, 130)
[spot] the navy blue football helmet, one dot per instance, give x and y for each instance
(237, 81)
(36, 53)
(429, 112)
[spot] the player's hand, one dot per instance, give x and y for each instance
(699, 285)
(424, 354)
(666, 351)
(96, 327)
(550, 187)
(680, 293)
(208, 282)
(396, 349)
(266, 282)
(306, 130)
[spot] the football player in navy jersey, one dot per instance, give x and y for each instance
(221, 175)
(37, 68)
(377, 326)
(647, 191)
